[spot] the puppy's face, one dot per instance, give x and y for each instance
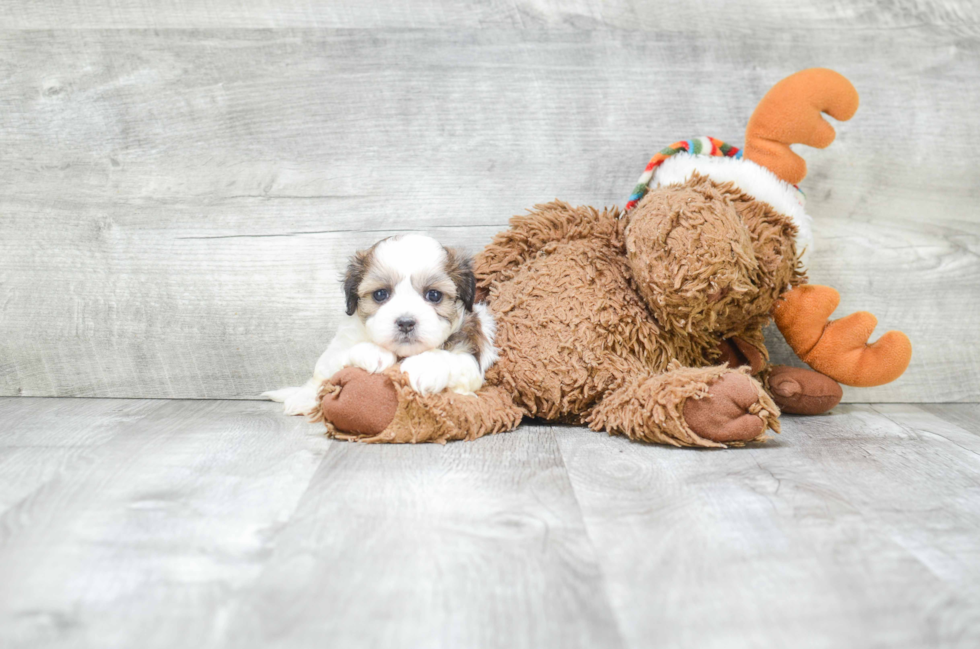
(410, 292)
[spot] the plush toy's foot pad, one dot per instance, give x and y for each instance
(364, 405)
(726, 413)
(803, 392)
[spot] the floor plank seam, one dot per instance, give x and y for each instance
(595, 550)
(283, 527)
(913, 431)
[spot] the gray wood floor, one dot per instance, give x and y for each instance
(224, 524)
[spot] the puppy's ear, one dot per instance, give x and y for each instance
(356, 269)
(459, 265)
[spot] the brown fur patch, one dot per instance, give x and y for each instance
(469, 339)
(459, 267)
(374, 278)
(357, 268)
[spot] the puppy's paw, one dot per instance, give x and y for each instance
(370, 357)
(467, 378)
(429, 372)
(434, 371)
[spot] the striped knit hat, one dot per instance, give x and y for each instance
(724, 163)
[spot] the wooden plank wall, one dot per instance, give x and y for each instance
(179, 188)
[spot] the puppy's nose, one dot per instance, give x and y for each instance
(405, 324)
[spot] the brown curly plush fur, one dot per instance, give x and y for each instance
(618, 322)
(709, 260)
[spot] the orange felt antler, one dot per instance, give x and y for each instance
(790, 113)
(839, 348)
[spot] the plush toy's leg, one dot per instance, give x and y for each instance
(801, 391)
(381, 408)
(711, 406)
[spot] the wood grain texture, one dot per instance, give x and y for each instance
(854, 529)
(210, 523)
(225, 524)
(964, 415)
(42, 441)
(960, 16)
(467, 545)
(144, 538)
(177, 204)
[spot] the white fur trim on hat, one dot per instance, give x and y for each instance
(753, 179)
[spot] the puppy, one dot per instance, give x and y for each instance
(409, 299)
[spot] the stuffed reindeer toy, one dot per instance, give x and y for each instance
(647, 322)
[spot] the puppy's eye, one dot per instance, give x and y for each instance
(433, 296)
(380, 295)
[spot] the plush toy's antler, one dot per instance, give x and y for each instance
(790, 113)
(839, 348)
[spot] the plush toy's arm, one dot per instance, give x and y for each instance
(839, 348)
(530, 233)
(356, 405)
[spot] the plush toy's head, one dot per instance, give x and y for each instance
(682, 264)
(767, 170)
(729, 208)
(747, 208)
